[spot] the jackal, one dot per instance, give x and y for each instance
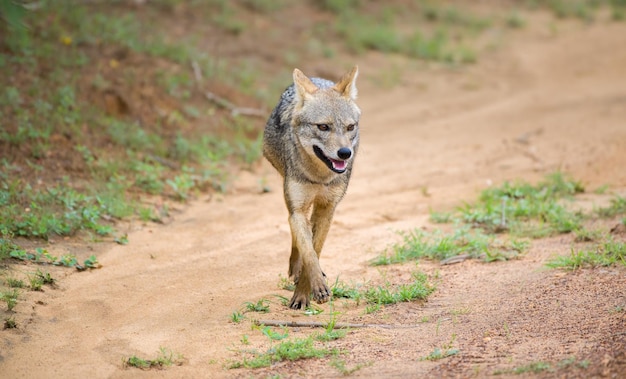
(311, 138)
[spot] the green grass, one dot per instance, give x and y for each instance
(522, 210)
(617, 207)
(10, 298)
(382, 34)
(42, 256)
(164, 359)
(14, 283)
(341, 289)
(289, 350)
(112, 160)
(386, 294)
(526, 210)
(606, 253)
(585, 10)
(340, 365)
(261, 306)
(10, 323)
(539, 367)
(438, 354)
(438, 245)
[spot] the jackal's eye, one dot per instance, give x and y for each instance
(323, 127)
(350, 127)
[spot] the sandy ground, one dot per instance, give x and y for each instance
(539, 104)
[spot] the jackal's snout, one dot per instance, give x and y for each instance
(344, 153)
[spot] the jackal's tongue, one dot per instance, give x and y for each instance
(338, 165)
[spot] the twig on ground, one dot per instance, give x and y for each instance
(455, 259)
(223, 103)
(234, 110)
(338, 325)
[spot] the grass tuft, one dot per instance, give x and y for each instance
(437, 245)
(606, 253)
(164, 359)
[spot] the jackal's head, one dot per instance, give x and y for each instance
(326, 119)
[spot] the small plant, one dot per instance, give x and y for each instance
(588, 235)
(237, 317)
(7, 246)
(272, 335)
(286, 284)
(312, 310)
(438, 354)
(10, 298)
(617, 207)
(45, 277)
(343, 290)
(438, 245)
(443, 352)
(340, 365)
(388, 294)
(10, 323)
(440, 217)
(14, 283)
(607, 253)
(261, 306)
(36, 282)
(122, 240)
(164, 358)
(540, 366)
(291, 350)
(42, 256)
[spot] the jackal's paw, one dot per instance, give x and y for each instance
(299, 301)
(321, 292)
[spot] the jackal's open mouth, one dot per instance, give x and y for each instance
(337, 166)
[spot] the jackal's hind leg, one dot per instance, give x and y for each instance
(295, 264)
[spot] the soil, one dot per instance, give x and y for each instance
(541, 103)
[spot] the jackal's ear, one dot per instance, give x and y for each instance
(304, 86)
(346, 86)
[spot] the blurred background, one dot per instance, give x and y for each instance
(114, 109)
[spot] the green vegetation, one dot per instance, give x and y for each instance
(386, 294)
(438, 354)
(10, 298)
(442, 352)
(526, 210)
(441, 40)
(77, 153)
(10, 323)
(288, 349)
(39, 278)
(540, 366)
(522, 210)
(605, 253)
(42, 256)
(292, 350)
(340, 365)
(438, 245)
(164, 359)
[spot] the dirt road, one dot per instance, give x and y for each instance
(541, 103)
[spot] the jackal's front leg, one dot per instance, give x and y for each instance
(311, 279)
(321, 219)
